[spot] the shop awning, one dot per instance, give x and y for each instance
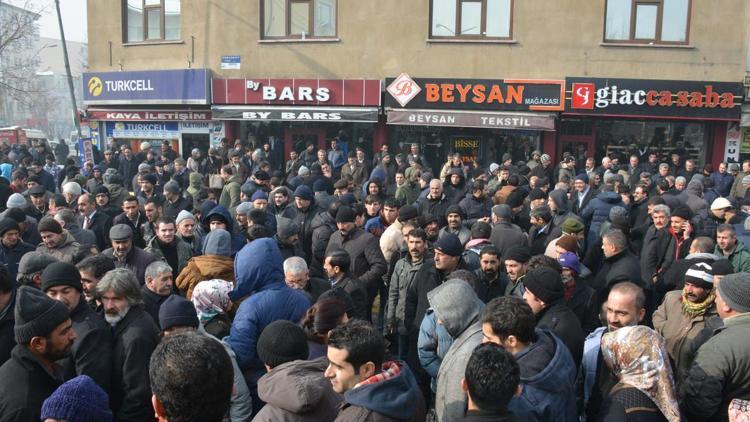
(745, 119)
(479, 119)
(145, 115)
(296, 114)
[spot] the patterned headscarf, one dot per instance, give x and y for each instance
(211, 298)
(638, 358)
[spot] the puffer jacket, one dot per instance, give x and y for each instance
(298, 391)
(597, 212)
(720, 372)
(259, 272)
(205, 267)
(68, 250)
(458, 308)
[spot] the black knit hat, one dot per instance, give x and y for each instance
(700, 274)
(49, 224)
(449, 244)
(61, 274)
(682, 211)
(545, 283)
(407, 212)
(537, 194)
(280, 342)
(454, 209)
(345, 215)
(36, 314)
(101, 189)
(7, 224)
(176, 311)
(518, 253)
(515, 199)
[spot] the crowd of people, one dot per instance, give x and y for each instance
(335, 286)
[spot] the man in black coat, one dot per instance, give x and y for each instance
(158, 287)
(546, 297)
(92, 219)
(337, 265)
(11, 245)
(491, 281)
(619, 265)
(44, 334)
(134, 337)
(92, 349)
(505, 234)
(7, 318)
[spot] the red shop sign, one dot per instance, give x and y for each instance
(298, 92)
(148, 115)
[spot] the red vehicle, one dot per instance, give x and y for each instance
(19, 135)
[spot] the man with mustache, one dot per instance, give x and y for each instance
(92, 349)
(134, 338)
(683, 315)
(44, 334)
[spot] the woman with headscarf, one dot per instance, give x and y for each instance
(645, 391)
(211, 301)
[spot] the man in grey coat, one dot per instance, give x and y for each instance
(456, 308)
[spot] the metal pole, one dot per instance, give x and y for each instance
(67, 70)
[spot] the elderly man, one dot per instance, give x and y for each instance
(297, 276)
(188, 231)
(683, 315)
(127, 255)
(135, 336)
(435, 203)
(158, 287)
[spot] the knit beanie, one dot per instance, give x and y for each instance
(720, 267)
(515, 199)
(16, 200)
(151, 178)
(61, 274)
(303, 192)
(49, 224)
(243, 208)
(280, 342)
(345, 215)
(735, 291)
(184, 215)
(518, 253)
(78, 400)
(36, 314)
(569, 260)
(176, 311)
(101, 189)
(286, 228)
(701, 275)
(407, 212)
(682, 211)
(7, 224)
(172, 187)
(572, 226)
(259, 194)
(568, 242)
(448, 244)
(545, 283)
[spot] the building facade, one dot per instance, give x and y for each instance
(494, 76)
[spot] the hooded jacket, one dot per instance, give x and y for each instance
(298, 391)
(597, 212)
(548, 376)
(258, 268)
(230, 193)
(238, 240)
(455, 193)
(457, 307)
(393, 399)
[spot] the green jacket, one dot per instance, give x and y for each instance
(230, 194)
(740, 257)
(408, 193)
(720, 372)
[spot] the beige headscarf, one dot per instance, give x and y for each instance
(638, 358)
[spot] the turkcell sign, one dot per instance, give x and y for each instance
(181, 86)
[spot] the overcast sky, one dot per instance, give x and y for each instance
(73, 14)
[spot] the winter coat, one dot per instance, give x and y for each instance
(238, 240)
(138, 239)
(433, 343)
(13, 256)
(7, 323)
(68, 250)
(323, 226)
(597, 212)
(408, 193)
(304, 218)
(367, 262)
(506, 235)
(488, 289)
(587, 374)
(674, 277)
(184, 252)
(358, 294)
(391, 240)
(722, 183)
(548, 393)
(436, 207)
(258, 268)
(230, 193)
(24, 385)
(475, 208)
(462, 233)
(720, 372)
(134, 338)
(100, 223)
(92, 349)
(298, 391)
(117, 195)
(563, 323)
(629, 404)
(85, 237)
(489, 416)
(394, 399)
(678, 330)
(458, 308)
(739, 257)
(400, 305)
(202, 268)
(136, 261)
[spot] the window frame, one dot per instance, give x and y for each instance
(659, 24)
(288, 23)
(483, 24)
(144, 21)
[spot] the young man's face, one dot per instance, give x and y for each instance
(68, 295)
(339, 372)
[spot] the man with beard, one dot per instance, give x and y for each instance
(127, 255)
(491, 282)
(625, 306)
(158, 287)
(169, 247)
(11, 245)
(94, 220)
(432, 228)
(515, 266)
(152, 209)
(92, 349)
(367, 262)
(103, 203)
(44, 334)
(683, 315)
(91, 270)
(401, 294)
(455, 216)
(134, 338)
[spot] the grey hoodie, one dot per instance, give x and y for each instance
(218, 242)
(457, 307)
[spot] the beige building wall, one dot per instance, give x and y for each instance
(378, 39)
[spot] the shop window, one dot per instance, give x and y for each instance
(647, 21)
(298, 19)
(661, 137)
(151, 20)
(471, 19)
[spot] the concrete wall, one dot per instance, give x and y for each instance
(386, 37)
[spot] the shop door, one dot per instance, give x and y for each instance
(297, 139)
(576, 137)
(195, 140)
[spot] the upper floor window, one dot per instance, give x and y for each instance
(647, 21)
(471, 19)
(152, 20)
(300, 19)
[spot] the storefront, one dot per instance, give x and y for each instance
(638, 116)
(480, 119)
(745, 132)
(299, 111)
(153, 106)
